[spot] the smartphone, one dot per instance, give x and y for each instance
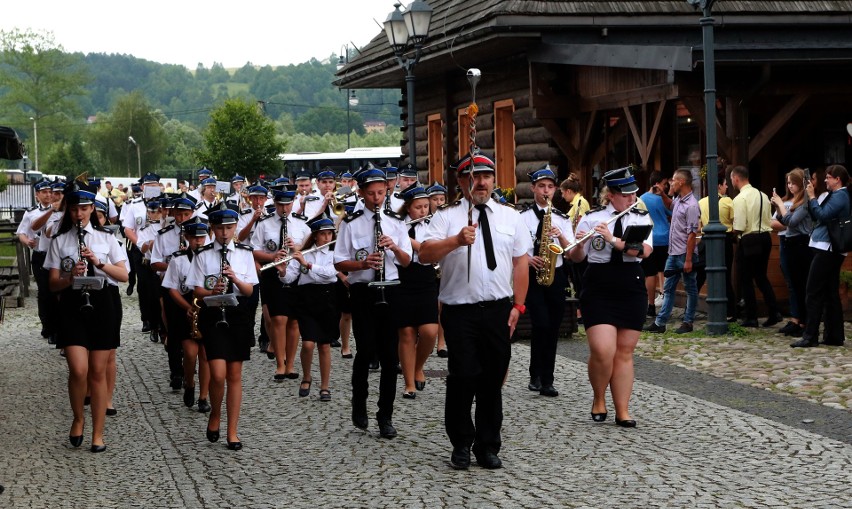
(807, 176)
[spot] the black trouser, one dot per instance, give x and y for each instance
(134, 259)
(799, 257)
(546, 305)
(479, 354)
(45, 297)
(373, 326)
(752, 268)
(823, 296)
(149, 296)
(174, 346)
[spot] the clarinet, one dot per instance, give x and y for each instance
(223, 322)
(81, 243)
(379, 277)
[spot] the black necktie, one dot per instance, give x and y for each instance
(617, 256)
(539, 213)
(486, 235)
(411, 232)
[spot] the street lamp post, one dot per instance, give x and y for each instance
(138, 156)
(351, 99)
(406, 31)
(35, 141)
(714, 232)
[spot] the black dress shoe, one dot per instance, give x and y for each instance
(796, 331)
(129, 290)
(419, 385)
(111, 412)
(409, 395)
(87, 400)
(292, 376)
(804, 343)
(335, 343)
(548, 391)
(235, 446)
(203, 406)
(750, 323)
(443, 353)
(626, 423)
(460, 459)
(535, 384)
(599, 417)
(653, 327)
(772, 320)
(359, 414)
(213, 435)
(75, 441)
(374, 365)
(188, 396)
(98, 448)
(270, 355)
(386, 429)
(176, 383)
(833, 343)
(51, 340)
(146, 326)
(487, 459)
(347, 355)
(788, 327)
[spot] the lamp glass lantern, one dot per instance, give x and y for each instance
(353, 99)
(417, 18)
(396, 30)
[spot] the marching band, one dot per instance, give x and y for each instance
(373, 250)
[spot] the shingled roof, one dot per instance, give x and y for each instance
(457, 21)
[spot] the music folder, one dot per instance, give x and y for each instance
(226, 300)
(88, 283)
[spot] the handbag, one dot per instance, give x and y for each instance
(840, 234)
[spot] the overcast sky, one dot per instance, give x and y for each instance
(274, 32)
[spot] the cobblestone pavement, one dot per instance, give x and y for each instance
(299, 452)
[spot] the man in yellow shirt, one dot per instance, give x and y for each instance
(752, 222)
(726, 217)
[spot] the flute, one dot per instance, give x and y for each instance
(288, 258)
(593, 232)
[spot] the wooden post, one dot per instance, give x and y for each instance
(22, 253)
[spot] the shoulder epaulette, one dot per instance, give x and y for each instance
(180, 253)
(398, 195)
(247, 247)
(299, 216)
(166, 229)
(312, 198)
(507, 204)
(265, 217)
(448, 205)
(246, 211)
(639, 211)
(596, 209)
(101, 229)
(560, 213)
(204, 248)
(524, 207)
(31, 209)
(145, 227)
(349, 217)
(391, 213)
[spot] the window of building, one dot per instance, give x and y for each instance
(504, 143)
(436, 148)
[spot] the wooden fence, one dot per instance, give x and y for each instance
(14, 279)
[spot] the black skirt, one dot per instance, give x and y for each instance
(420, 295)
(98, 329)
(318, 314)
(614, 294)
(232, 343)
(279, 300)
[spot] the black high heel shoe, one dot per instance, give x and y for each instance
(599, 417)
(75, 441)
(235, 446)
(98, 448)
(626, 423)
(213, 435)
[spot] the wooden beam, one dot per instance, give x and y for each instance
(544, 101)
(619, 132)
(656, 126)
(695, 105)
(584, 147)
(778, 121)
(640, 142)
(636, 96)
(562, 140)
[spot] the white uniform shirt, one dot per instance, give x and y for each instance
(25, 226)
(396, 202)
(244, 220)
(267, 232)
(195, 193)
(356, 240)
(419, 235)
(50, 229)
(177, 273)
(322, 270)
(597, 249)
(510, 239)
(134, 214)
(201, 208)
(166, 242)
(313, 202)
(531, 220)
(145, 234)
(207, 265)
(65, 251)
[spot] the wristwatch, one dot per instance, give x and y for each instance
(521, 308)
(612, 242)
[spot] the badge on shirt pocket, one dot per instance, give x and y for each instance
(598, 243)
(67, 264)
(210, 282)
(271, 245)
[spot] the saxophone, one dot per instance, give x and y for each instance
(548, 250)
(194, 332)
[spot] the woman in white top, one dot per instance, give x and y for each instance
(83, 248)
(317, 310)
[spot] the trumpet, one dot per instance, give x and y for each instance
(81, 243)
(287, 259)
(337, 205)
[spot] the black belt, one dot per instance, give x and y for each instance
(484, 304)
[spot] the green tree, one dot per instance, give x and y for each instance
(131, 117)
(184, 141)
(321, 120)
(39, 80)
(240, 139)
